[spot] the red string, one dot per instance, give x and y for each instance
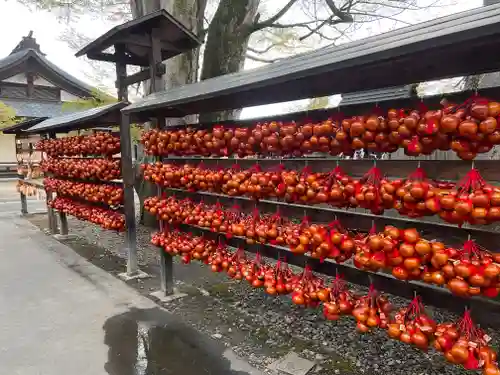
(422, 108)
(471, 181)
(418, 175)
(306, 170)
(373, 176)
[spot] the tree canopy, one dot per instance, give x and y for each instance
(245, 33)
(7, 116)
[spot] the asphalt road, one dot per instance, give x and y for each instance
(60, 314)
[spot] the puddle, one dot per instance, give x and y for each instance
(152, 342)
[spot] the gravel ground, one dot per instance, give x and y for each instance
(261, 328)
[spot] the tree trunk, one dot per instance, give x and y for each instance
(180, 70)
(183, 69)
(227, 43)
(483, 80)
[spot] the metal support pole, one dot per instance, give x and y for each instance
(129, 203)
(64, 223)
(24, 203)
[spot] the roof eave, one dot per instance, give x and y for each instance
(73, 86)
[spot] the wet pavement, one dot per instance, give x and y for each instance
(149, 342)
(62, 315)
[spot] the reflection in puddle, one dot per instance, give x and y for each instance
(151, 342)
(142, 348)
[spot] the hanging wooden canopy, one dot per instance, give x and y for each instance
(175, 38)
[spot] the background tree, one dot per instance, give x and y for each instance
(97, 99)
(239, 32)
(318, 103)
(8, 116)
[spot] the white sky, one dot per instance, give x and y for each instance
(17, 21)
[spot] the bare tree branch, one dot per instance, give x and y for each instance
(379, 17)
(261, 59)
(298, 24)
(345, 17)
(402, 5)
(270, 21)
(265, 50)
(317, 28)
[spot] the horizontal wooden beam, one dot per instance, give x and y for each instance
(111, 57)
(143, 75)
(145, 41)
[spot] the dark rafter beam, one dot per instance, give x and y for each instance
(145, 41)
(143, 75)
(110, 57)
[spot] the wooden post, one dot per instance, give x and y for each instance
(166, 273)
(24, 203)
(50, 210)
(51, 214)
(154, 60)
(20, 175)
(121, 73)
(166, 260)
(127, 167)
(128, 190)
(64, 223)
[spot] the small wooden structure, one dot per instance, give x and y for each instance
(35, 88)
(25, 155)
(108, 115)
(144, 42)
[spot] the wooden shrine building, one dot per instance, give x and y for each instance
(34, 87)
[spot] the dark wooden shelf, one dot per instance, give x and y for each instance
(340, 211)
(482, 308)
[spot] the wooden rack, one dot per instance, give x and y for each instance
(379, 60)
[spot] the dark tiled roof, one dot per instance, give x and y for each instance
(174, 36)
(29, 108)
(19, 128)
(417, 53)
(23, 55)
(27, 42)
(14, 58)
(107, 115)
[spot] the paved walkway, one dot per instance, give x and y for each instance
(10, 202)
(61, 315)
